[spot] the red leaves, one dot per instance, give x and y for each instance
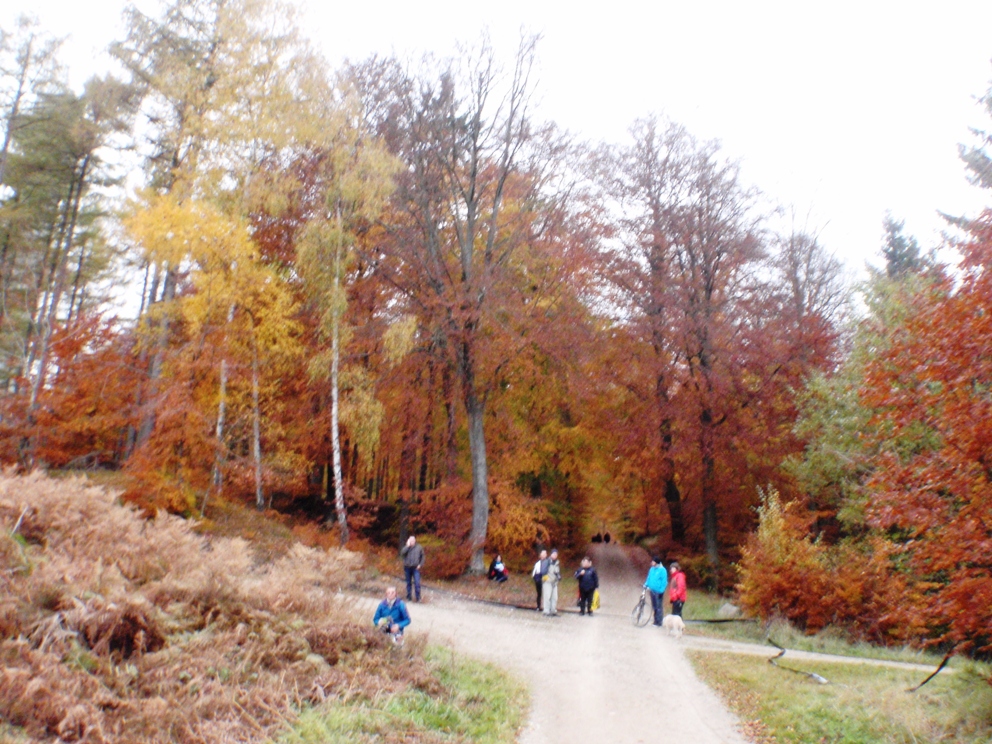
(932, 390)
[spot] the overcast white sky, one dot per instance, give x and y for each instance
(838, 111)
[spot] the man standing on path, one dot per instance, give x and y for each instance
(538, 575)
(656, 583)
(413, 560)
(551, 578)
(588, 584)
(677, 594)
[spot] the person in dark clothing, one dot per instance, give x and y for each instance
(588, 584)
(497, 570)
(413, 561)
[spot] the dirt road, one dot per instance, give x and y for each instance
(592, 679)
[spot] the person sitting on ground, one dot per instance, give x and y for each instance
(498, 571)
(677, 592)
(391, 616)
(588, 584)
(656, 583)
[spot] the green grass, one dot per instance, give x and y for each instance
(860, 705)
(13, 734)
(478, 703)
(701, 605)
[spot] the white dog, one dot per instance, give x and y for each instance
(674, 625)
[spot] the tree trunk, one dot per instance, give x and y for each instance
(256, 430)
(216, 476)
(709, 495)
(58, 284)
(158, 360)
(670, 489)
(451, 438)
(339, 505)
(673, 499)
(475, 408)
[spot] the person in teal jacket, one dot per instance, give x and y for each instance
(392, 616)
(656, 583)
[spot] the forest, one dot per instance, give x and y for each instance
(387, 299)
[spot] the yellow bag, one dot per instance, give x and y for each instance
(595, 601)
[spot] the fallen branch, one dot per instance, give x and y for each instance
(774, 662)
(20, 520)
(943, 663)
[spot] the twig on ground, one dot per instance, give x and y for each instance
(773, 661)
(943, 663)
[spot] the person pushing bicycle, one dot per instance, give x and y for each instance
(656, 583)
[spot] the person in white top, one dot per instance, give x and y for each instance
(538, 575)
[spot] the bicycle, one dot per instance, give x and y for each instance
(642, 611)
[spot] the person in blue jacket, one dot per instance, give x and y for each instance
(391, 615)
(656, 583)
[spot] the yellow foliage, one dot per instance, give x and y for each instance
(399, 338)
(515, 522)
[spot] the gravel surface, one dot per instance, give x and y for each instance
(592, 679)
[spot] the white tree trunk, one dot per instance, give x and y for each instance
(339, 505)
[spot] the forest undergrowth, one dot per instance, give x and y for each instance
(116, 628)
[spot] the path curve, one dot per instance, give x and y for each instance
(591, 678)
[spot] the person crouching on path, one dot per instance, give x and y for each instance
(677, 593)
(413, 561)
(656, 583)
(538, 575)
(552, 576)
(391, 616)
(588, 584)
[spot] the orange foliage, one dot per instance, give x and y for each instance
(932, 487)
(783, 573)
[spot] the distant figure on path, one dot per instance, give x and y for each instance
(606, 537)
(677, 594)
(497, 570)
(551, 579)
(413, 561)
(588, 584)
(538, 575)
(656, 583)
(391, 616)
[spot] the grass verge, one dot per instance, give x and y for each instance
(861, 705)
(701, 605)
(471, 702)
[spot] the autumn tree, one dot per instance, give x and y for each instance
(229, 89)
(468, 144)
(358, 180)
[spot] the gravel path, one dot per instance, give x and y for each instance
(599, 679)
(592, 679)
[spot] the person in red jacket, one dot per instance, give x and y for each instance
(676, 594)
